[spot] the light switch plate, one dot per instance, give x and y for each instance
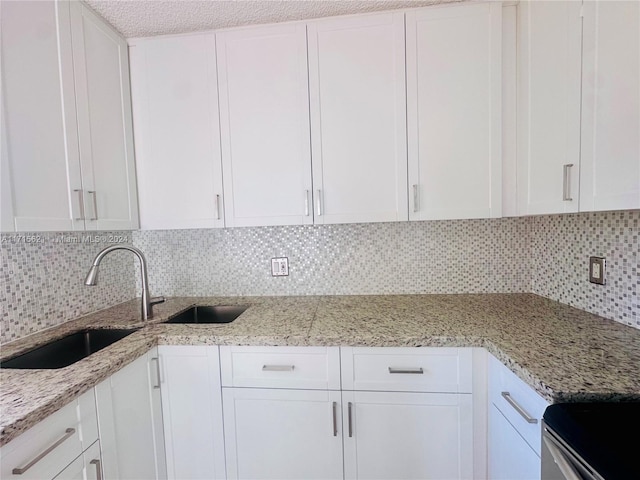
(597, 270)
(279, 267)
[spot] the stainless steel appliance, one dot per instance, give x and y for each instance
(591, 441)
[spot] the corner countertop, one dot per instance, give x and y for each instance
(563, 353)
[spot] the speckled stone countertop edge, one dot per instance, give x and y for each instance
(297, 322)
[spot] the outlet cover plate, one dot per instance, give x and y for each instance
(280, 267)
(597, 270)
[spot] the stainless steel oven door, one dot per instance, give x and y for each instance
(561, 462)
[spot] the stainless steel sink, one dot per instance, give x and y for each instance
(209, 314)
(66, 350)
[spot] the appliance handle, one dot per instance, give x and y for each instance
(563, 463)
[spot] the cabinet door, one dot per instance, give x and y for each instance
(510, 456)
(549, 70)
(93, 462)
(191, 383)
(40, 162)
(454, 111)
(610, 161)
(105, 131)
(407, 435)
(127, 424)
(358, 118)
(282, 434)
(175, 110)
(264, 122)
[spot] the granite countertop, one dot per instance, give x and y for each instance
(565, 354)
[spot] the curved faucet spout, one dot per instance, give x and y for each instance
(147, 302)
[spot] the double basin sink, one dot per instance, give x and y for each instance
(67, 350)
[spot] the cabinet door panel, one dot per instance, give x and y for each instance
(282, 434)
(408, 435)
(549, 70)
(358, 114)
(175, 107)
(264, 121)
(610, 162)
(510, 456)
(191, 383)
(127, 424)
(454, 111)
(105, 131)
(40, 155)
(93, 462)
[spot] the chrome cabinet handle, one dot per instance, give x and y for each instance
(417, 370)
(416, 200)
(350, 418)
(335, 419)
(96, 462)
(523, 413)
(68, 433)
(217, 207)
(81, 202)
(306, 203)
(95, 205)
(158, 377)
(566, 182)
(319, 203)
(278, 368)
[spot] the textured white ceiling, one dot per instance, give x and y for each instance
(143, 18)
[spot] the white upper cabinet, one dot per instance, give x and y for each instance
(549, 70)
(610, 162)
(67, 144)
(105, 131)
(177, 135)
(40, 160)
(264, 123)
(358, 118)
(454, 106)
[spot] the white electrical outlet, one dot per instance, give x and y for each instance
(596, 270)
(279, 267)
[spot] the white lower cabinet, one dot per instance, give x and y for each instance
(515, 415)
(129, 421)
(407, 435)
(408, 413)
(282, 434)
(510, 457)
(88, 466)
(50, 448)
(192, 412)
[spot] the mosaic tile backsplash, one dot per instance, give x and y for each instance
(546, 255)
(42, 275)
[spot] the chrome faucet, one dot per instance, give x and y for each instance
(147, 301)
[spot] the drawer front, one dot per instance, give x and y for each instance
(431, 370)
(315, 368)
(46, 449)
(517, 401)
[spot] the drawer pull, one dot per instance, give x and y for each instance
(518, 408)
(96, 462)
(158, 376)
(418, 370)
(278, 368)
(68, 433)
